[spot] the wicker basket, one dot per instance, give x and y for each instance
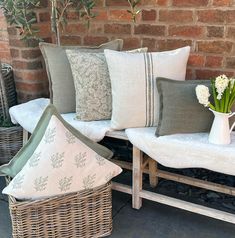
(81, 215)
(7, 89)
(11, 139)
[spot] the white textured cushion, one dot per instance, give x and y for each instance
(133, 82)
(28, 114)
(185, 150)
(61, 164)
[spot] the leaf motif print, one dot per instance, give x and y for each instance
(109, 176)
(100, 160)
(57, 160)
(71, 139)
(65, 183)
(80, 159)
(34, 160)
(18, 181)
(89, 181)
(40, 183)
(49, 136)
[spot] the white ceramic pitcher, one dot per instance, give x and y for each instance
(220, 131)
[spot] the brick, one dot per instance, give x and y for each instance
(148, 2)
(95, 40)
(30, 87)
(19, 43)
(215, 31)
(131, 43)
(72, 15)
(44, 3)
(210, 74)
(30, 54)
(17, 64)
(5, 56)
(230, 16)
(214, 61)
(99, 3)
(186, 31)
(95, 29)
(217, 47)
(162, 2)
(222, 3)
(231, 32)
(44, 17)
(12, 31)
(189, 74)
(190, 3)
(4, 45)
(150, 43)
(230, 62)
(147, 29)
(15, 53)
(71, 40)
(163, 45)
(101, 16)
(149, 15)
(176, 16)
(196, 60)
(75, 28)
(30, 75)
(212, 16)
(119, 3)
(117, 28)
(119, 15)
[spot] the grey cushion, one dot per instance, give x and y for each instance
(62, 91)
(180, 111)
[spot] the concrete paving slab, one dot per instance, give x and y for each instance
(160, 221)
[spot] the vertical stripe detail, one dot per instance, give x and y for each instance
(150, 88)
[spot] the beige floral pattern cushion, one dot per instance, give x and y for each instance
(60, 164)
(92, 85)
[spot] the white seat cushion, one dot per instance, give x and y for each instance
(185, 150)
(28, 114)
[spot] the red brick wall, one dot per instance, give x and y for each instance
(208, 26)
(5, 55)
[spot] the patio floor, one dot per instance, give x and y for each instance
(153, 220)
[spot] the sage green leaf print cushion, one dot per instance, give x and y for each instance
(61, 161)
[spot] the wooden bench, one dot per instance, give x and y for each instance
(144, 164)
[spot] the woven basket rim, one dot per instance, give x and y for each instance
(82, 193)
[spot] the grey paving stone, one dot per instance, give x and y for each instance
(156, 220)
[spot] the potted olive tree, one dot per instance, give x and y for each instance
(20, 13)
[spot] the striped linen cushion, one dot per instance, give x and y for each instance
(133, 82)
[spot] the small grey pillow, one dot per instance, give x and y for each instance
(179, 110)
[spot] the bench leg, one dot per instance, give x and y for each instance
(25, 136)
(153, 180)
(137, 178)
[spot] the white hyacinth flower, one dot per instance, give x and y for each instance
(203, 95)
(221, 83)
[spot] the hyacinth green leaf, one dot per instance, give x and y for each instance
(216, 101)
